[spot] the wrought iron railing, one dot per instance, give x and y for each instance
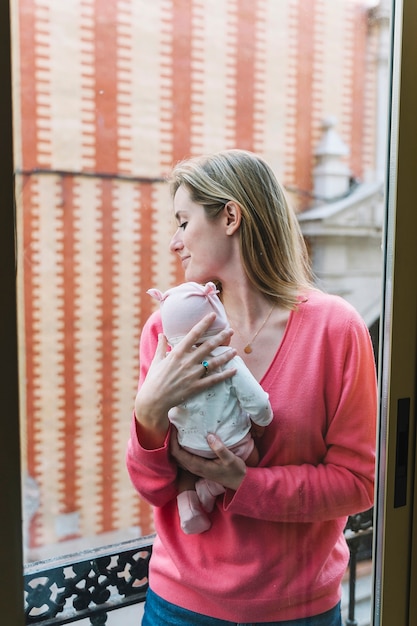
(88, 584)
(358, 533)
(92, 583)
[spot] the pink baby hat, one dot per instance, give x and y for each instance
(185, 305)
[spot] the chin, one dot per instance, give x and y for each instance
(199, 278)
(193, 276)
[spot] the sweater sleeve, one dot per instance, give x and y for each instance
(152, 472)
(341, 483)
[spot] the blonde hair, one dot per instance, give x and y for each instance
(273, 250)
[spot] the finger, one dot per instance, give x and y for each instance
(194, 336)
(218, 447)
(220, 339)
(197, 331)
(257, 431)
(189, 462)
(174, 445)
(183, 458)
(214, 361)
(161, 347)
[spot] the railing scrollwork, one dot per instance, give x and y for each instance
(87, 584)
(358, 533)
(92, 583)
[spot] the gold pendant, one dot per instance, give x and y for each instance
(247, 349)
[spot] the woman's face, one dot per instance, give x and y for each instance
(202, 244)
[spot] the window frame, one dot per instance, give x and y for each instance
(393, 601)
(11, 572)
(395, 561)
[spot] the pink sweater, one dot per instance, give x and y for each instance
(276, 549)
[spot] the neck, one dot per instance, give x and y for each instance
(245, 306)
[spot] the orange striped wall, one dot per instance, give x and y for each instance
(108, 96)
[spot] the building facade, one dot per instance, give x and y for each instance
(107, 97)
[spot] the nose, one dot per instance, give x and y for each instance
(176, 243)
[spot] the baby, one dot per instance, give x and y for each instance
(225, 409)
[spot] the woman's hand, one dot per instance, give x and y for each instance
(227, 469)
(257, 431)
(175, 376)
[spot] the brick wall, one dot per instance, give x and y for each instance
(108, 95)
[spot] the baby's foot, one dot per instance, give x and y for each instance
(207, 491)
(192, 517)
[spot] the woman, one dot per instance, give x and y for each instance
(278, 557)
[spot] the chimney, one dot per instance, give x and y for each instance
(331, 175)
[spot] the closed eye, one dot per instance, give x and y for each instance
(183, 225)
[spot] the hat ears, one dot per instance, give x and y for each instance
(158, 295)
(210, 288)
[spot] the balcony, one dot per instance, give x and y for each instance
(361, 614)
(88, 587)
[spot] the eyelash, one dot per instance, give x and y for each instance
(183, 225)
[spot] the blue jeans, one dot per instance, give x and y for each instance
(159, 612)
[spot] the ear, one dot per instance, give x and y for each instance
(233, 215)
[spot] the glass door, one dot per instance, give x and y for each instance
(92, 219)
(395, 563)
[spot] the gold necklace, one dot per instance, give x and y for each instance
(248, 348)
